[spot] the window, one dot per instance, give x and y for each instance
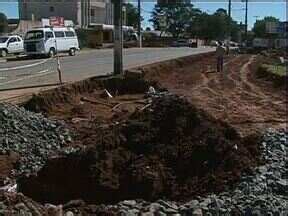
(51, 9)
(12, 40)
(49, 35)
(59, 34)
(3, 39)
(69, 34)
(19, 39)
(32, 35)
(92, 12)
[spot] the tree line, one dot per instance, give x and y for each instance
(185, 20)
(180, 20)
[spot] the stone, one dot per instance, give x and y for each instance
(147, 214)
(29, 135)
(167, 204)
(69, 213)
(256, 213)
(197, 212)
(154, 207)
(193, 204)
(74, 204)
(129, 202)
(282, 186)
(21, 206)
(170, 211)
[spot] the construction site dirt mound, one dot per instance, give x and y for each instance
(237, 96)
(170, 149)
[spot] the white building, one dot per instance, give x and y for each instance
(83, 13)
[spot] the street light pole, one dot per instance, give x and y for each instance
(118, 37)
(229, 24)
(229, 8)
(139, 24)
(246, 21)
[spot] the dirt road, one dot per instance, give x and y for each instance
(236, 96)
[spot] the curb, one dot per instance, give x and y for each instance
(3, 60)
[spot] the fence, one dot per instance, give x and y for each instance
(20, 74)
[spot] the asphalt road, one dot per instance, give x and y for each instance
(85, 64)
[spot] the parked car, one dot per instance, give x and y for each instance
(12, 44)
(214, 43)
(51, 40)
(184, 43)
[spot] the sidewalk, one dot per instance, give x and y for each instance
(2, 60)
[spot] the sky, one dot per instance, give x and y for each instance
(257, 9)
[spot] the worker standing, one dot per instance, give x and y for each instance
(220, 52)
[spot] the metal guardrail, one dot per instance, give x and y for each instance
(45, 72)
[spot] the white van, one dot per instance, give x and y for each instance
(49, 41)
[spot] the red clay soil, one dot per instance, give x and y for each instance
(171, 150)
(7, 163)
(175, 149)
(237, 97)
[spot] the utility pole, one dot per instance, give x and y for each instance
(139, 24)
(229, 9)
(246, 21)
(229, 24)
(118, 37)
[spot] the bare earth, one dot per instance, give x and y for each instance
(236, 96)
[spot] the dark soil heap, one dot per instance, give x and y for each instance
(171, 150)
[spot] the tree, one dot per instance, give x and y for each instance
(3, 23)
(216, 26)
(259, 28)
(132, 15)
(148, 29)
(173, 18)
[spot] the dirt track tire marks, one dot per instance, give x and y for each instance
(234, 98)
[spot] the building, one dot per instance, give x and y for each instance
(83, 13)
(95, 17)
(173, 1)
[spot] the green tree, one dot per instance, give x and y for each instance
(173, 18)
(259, 28)
(148, 29)
(3, 23)
(132, 15)
(216, 26)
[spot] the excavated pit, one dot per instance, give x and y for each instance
(167, 149)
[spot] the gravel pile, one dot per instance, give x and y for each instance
(263, 193)
(30, 135)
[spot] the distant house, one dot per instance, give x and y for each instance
(95, 17)
(12, 24)
(82, 12)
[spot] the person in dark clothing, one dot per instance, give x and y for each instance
(220, 52)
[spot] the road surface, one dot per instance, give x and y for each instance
(86, 64)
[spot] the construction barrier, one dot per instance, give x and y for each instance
(37, 73)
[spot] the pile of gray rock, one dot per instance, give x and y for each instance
(31, 136)
(263, 193)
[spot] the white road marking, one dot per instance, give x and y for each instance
(24, 66)
(43, 71)
(38, 74)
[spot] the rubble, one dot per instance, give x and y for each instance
(148, 156)
(257, 194)
(30, 136)
(162, 156)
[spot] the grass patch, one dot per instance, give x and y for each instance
(278, 70)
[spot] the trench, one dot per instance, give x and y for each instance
(169, 149)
